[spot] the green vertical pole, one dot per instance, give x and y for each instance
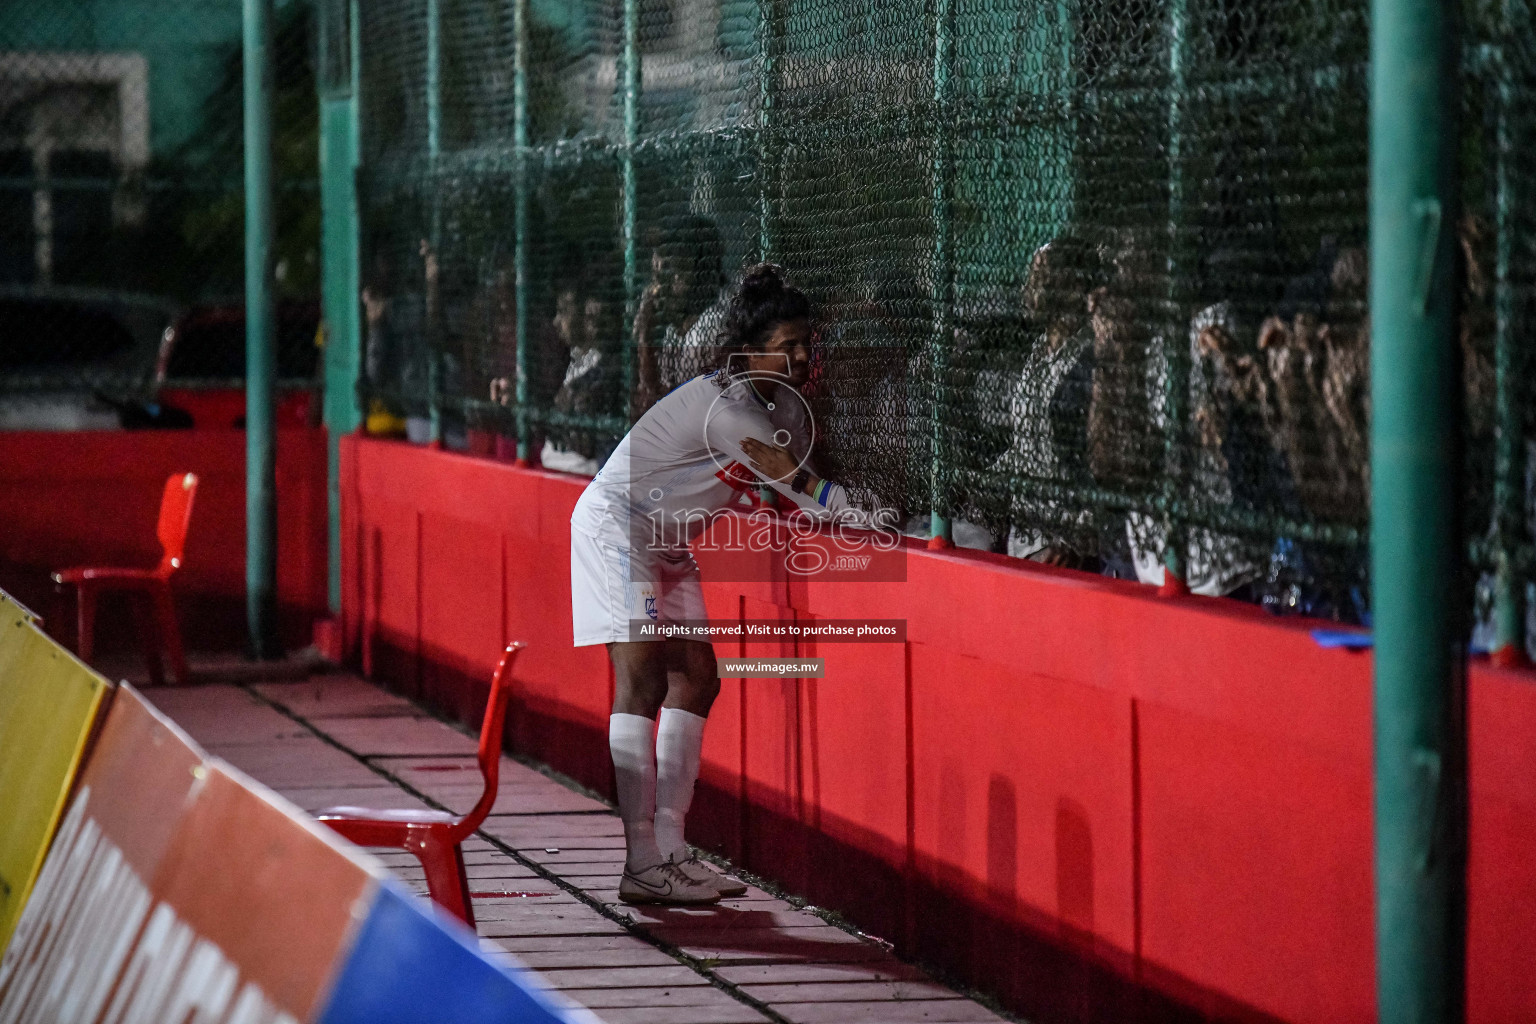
(631, 86)
(435, 230)
(339, 285)
(766, 165)
(765, 154)
(1420, 730)
(1175, 341)
(260, 348)
(1509, 452)
(943, 270)
(520, 215)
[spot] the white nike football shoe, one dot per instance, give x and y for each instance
(699, 871)
(665, 883)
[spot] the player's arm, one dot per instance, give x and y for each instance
(725, 431)
(817, 496)
(780, 468)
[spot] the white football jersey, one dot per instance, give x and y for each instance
(682, 464)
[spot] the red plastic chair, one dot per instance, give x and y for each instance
(434, 836)
(162, 631)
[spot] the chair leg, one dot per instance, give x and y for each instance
(85, 623)
(447, 882)
(170, 632)
(149, 626)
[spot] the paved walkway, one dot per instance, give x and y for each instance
(544, 869)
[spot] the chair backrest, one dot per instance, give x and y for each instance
(490, 741)
(175, 517)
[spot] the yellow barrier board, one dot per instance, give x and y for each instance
(48, 705)
(13, 611)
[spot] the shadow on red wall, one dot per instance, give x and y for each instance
(91, 497)
(1098, 804)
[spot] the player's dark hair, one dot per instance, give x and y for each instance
(762, 301)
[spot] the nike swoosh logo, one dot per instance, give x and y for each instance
(658, 890)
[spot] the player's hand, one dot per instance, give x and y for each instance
(769, 460)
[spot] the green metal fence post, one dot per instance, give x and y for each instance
(766, 160)
(768, 15)
(943, 270)
(434, 88)
(1175, 343)
(1420, 730)
(631, 134)
(520, 216)
(1509, 452)
(260, 347)
(339, 287)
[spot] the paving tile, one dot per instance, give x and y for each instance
(733, 1014)
(551, 959)
(690, 995)
(376, 797)
(849, 991)
(372, 737)
(948, 1011)
(719, 917)
(552, 924)
(447, 769)
(567, 943)
(772, 945)
(889, 969)
(604, 888)
(223, 714)
(561, 856)
(297, 762)
(624, 977)
(488, 898)
(335, 696)
(510, 800)
(519, 828)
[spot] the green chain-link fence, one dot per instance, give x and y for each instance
(121, 204)
(1090, 277)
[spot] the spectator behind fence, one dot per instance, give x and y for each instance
(1048, 408)
(546, 359)
(1311, 387)
(586, 324)
(1128, 420)
(394, 353)
(681, 309)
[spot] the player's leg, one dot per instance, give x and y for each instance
(692, 685)
(640, 685)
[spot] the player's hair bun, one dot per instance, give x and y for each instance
(763, 300)
(760, 282)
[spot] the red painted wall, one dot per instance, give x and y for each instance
(91, 497)
(1098, 804)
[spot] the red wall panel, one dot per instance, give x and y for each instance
(92, 497)
(1256, 868)
(1501, 875)
(1023, 811)
(391, 614)
(715, 818)
(771, 775)
(461, 595)
(1100, 804)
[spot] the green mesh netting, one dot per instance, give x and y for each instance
(1090, 277)
(121, 194)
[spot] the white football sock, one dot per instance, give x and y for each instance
(632, 742)
(679, 742)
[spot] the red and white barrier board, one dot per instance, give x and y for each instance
(177, 889)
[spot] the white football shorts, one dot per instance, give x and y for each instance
(615, 594)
